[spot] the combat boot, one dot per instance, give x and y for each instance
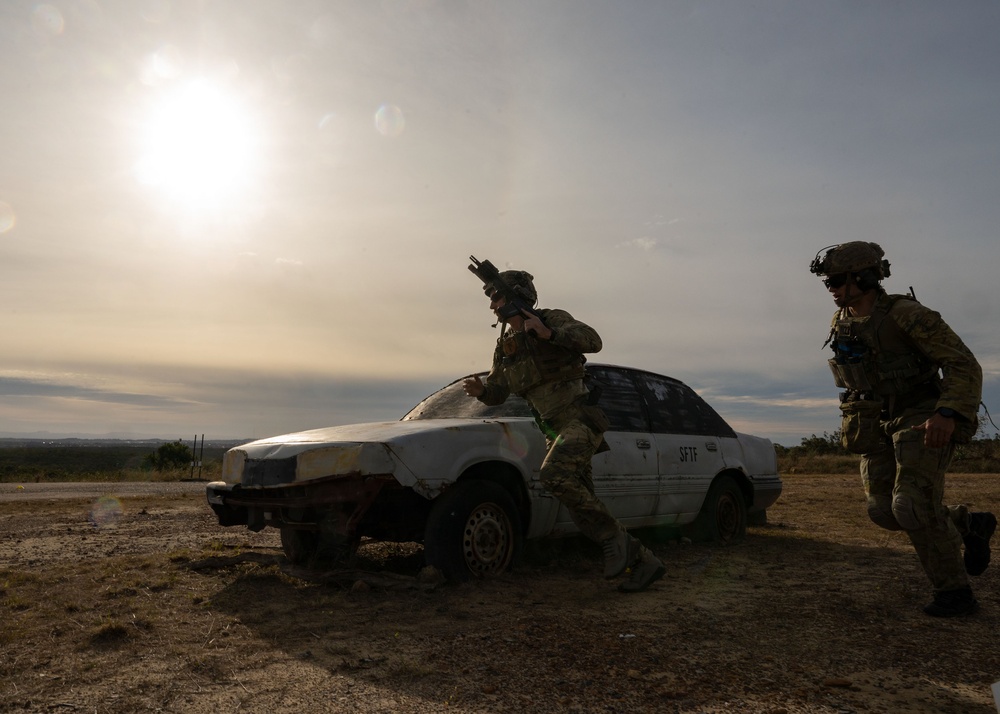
(645, 571)
(620, 552)
(952, 603)
(977, 542)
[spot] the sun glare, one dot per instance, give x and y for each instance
(198, 146)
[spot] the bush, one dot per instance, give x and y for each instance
(824, 454)
(172, 455)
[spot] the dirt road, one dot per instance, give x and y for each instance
(92, 490)
(113, 602)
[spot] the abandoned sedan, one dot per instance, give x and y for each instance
(462, 477)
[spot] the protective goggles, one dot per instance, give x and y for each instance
(836, 281)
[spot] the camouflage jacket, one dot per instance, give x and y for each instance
(547, 373)
(929, 340)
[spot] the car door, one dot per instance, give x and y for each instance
(686, 432)
(625, 477)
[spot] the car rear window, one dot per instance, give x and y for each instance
(675, 408)
(618, 398)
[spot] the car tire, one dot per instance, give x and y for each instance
(300, 546)
(473, 530)
(723, 517)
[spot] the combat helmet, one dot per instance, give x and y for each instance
(856, 257)
(520, 281)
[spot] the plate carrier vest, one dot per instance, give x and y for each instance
(529, 362)
(875, 358)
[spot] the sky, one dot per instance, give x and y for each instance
(241, 218)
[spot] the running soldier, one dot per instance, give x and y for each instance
(912, 391)
(539, 356)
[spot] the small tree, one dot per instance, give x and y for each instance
(172, 455)
(821, 445)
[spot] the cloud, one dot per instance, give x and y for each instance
(21, 387)
(776, 402)
(643, 243)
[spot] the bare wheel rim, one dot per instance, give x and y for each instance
(728, 517)
(487, 540)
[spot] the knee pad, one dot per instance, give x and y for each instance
(880, 511)
(905, 512)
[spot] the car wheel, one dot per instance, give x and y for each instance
(300, 546)
(473, 529)
(723, 517)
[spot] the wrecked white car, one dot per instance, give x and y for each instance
(462, 478)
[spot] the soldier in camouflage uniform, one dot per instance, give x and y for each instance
(912, 391)
(539, 356)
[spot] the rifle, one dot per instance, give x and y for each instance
(517, 301)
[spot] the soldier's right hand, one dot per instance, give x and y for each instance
(474, 387)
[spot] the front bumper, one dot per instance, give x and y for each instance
(349, 497)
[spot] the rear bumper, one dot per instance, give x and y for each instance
(765, 492)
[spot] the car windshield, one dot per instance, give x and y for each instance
(452, 402)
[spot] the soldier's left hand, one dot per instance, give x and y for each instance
(937, 431)
(534, 326)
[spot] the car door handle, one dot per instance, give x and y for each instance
(643, 444)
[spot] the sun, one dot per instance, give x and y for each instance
(198, 146)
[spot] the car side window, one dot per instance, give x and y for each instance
(675, 408)
(619, 399)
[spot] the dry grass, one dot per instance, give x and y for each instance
(817, 612)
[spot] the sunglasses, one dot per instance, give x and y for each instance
(836, 281)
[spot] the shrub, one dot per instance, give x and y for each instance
(171, 455)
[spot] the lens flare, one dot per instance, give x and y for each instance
(7, 219)
(163, 65)
(389, 120)
(515, 444)
(105, 512)
(47, 20)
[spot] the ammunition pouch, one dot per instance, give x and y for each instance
(850, 375)
(592, 416)
(860, 425)
(529, 362)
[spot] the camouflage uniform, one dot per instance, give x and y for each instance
(549, 375)
(903, 478)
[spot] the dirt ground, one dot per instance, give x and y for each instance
(143, 604)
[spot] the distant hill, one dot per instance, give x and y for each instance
(20, 441)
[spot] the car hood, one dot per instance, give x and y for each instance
(420, 453)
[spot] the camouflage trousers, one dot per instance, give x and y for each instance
(567, 474)
(904, 483)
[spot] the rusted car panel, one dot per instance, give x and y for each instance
(411, 451)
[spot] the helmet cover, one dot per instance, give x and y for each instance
(852, 257)
(520, 282)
